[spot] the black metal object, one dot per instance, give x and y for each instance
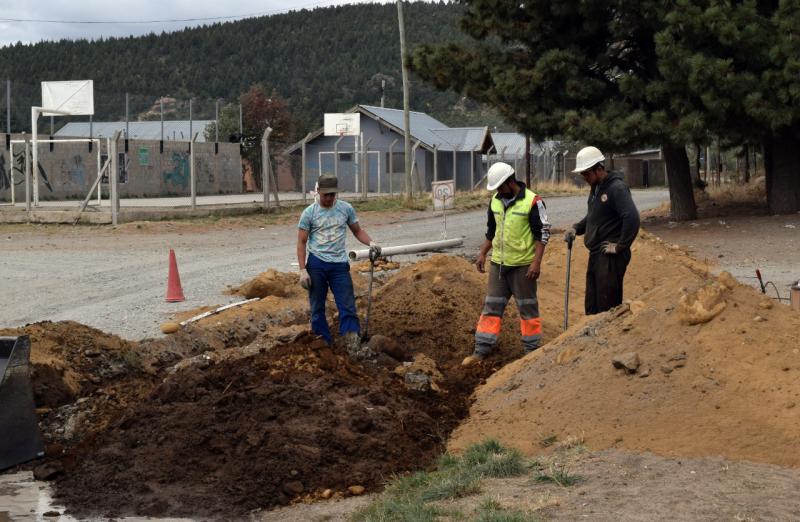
(566, 288)
(20, 440)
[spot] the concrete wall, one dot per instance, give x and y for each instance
(68, 171)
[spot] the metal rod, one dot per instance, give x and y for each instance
(355, 255)
(241, 125)
(192, 173)
(113, 177)
(265, 166)
(127, 116)
(35, 154)
(8, 106)
(11, 171)
(216, 118)
(335, 158)
(191, 142)
(27, 176)
(161, 103)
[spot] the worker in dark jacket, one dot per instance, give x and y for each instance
(609, 228)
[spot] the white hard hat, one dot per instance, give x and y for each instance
(587, 158)
(498, 173)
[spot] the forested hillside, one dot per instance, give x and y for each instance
(320, 60)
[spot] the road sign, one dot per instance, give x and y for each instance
(443, 193)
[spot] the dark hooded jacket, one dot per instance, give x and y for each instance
(612, 215)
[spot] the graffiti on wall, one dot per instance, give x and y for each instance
(179, 175)
(74, 171)
(17, 166)
(19, 172)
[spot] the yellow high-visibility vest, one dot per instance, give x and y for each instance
(513, 240)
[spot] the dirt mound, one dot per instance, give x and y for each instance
(70, 360)
(269, 283)
(221, 439)
(717, 373)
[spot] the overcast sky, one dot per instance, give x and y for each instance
(17, 17)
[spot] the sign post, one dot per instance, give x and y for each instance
(443, 194)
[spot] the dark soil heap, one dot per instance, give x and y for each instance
(223, 439)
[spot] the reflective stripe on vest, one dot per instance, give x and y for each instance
(513, 240)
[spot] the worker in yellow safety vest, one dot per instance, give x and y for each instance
(517, 232)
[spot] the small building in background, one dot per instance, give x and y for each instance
(439, 153)
(642, 168)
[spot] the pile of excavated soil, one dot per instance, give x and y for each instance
(70, 360)
(718, 367)
(220, 439)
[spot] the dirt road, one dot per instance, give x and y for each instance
(115, 279)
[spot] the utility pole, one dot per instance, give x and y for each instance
(406, 117)
(528, 160)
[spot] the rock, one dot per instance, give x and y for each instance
(48, 470)
(666, 369)
(356, 490)
(727, 280)
(387, 345)
(766, 303)
(644, 373)
(703, 305)
(758, 319)
(637, 306)
(417, 381)
(293, 487)
(170, 328)
(328, 493)
(51, 514)
(627, 361)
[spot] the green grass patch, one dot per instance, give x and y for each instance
(558, 474)
(491, 511)
(412, 497)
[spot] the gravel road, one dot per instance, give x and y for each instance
(115, 280)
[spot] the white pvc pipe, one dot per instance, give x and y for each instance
(218, 310)
(355, 255)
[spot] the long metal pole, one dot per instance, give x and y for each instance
(241, 120)
(406, 102)
(161, 103)
(528, 160)
(192, 173)
(127, 116)
(265, 166)
(35, 153)
(8, 106)
(435, 164)
(27, 176)
(113, 177)
(216, 119)
(472, 170)
(191, 141)
(365, 167)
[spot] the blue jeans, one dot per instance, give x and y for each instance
(337, 277)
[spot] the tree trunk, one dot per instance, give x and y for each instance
(783, 172)
(681, 195)
(747, 163)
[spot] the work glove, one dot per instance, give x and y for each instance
(609, 248)
(569, 235)
(374, 251)
(305, 279)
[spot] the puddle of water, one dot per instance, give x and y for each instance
(24, 499)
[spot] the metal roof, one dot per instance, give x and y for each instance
(509, 142)
(468, 139)
(424, 128)
(174, 130)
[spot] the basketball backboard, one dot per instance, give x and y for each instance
(342, 124)
(69, 97)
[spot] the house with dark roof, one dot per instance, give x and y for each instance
(439, 153)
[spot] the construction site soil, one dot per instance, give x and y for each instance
(244, 410)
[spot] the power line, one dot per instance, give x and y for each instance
(170, 20)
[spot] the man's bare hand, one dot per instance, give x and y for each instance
(480, 263)
(534, 271)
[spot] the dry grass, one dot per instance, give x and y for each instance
(563, 188)
(754, 192)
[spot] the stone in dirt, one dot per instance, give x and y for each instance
(382, 344)
(356, 490)
(702, 305)
(48, 471)
(627, 361)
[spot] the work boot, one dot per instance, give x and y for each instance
(357, 351)
(472, 360)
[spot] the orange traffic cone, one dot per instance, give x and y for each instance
(174, 290)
